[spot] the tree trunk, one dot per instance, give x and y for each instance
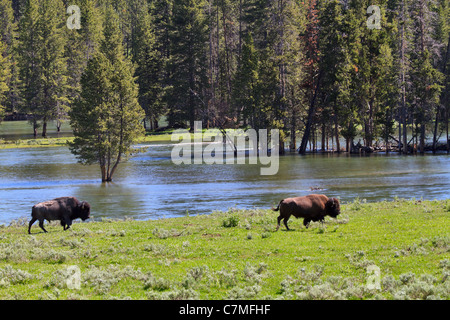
(293, 143)
(281, 147)
(44, 128)
(369, 125)
(435, 131)
(311, 111)
(403, 47)
(35, 127)
(336, 127)
(103, 170)
(191, 102)
(446, 129)
(399, 133)
(323, 135)
(336, 132)
(114, 168)
(386, 134)
(422, 138)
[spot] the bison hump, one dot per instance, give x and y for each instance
(46, 204)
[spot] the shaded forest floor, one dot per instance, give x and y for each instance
(236, 255)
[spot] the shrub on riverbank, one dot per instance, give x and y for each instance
(208, 257)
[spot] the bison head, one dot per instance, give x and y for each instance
(333, 207)
(84, 210)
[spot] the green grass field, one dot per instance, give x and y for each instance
(236, 255)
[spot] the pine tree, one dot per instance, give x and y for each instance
(81, 44)
(41, 62)
(149, 64)
(106, 119)
(27, 52)
(335, 107)
(402, 48)
(313, 77)
(52, 64)
(246, 81)
(441, 34)
(4, 76)
(187, 62)
(7, 24)
(7, 36)
(426, 78)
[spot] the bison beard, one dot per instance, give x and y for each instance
(65, 209)
(313, 207)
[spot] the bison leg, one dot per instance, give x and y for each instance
(33, 220)
(41, 224)
(306, 222)
(69, 223)
(285, 220)
(279, 220)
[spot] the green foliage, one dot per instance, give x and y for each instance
(246, 80)
(4, 75)
(148, 61)
(187, 62)
(41, 59)
(241, 63)
(230, 222)
(106, 118)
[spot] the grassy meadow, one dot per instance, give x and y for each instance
(64, 141)
(236, 255)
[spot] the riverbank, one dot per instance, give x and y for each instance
(236, 255)
(64, 141)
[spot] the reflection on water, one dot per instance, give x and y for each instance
(149, 186)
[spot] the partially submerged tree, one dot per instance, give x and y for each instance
(106, 119)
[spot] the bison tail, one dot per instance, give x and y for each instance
(33, 212)
(277, 208)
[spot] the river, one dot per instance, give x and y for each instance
(150, 186)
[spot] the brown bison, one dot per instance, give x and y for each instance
(64, 209)
(313, 207)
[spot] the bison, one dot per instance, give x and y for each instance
(64, 209)
(313, 207)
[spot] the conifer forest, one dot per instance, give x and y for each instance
(376, 72)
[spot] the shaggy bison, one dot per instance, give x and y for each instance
(64, 209)
(313, 207)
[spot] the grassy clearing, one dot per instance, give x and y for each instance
(236, 255)
(163, 136)
(64, 141)
(35, 143)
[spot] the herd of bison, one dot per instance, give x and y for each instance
(313, 207)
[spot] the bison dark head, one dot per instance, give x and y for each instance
(333, 207)
(84, 210)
